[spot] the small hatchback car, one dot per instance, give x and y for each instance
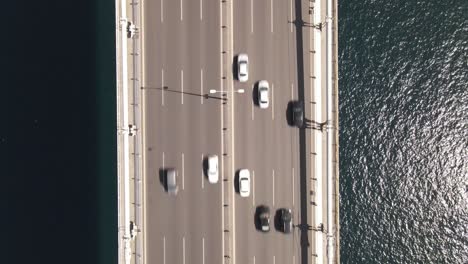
(263, 94)
(242, 67)
(213, 173)
(244, 183)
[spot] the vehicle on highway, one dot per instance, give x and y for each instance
(263, 214)
(285, 220)
(298, 114)
(242, 67)
(213, 173)
(263, 94)
(244, 183)
(171, 181)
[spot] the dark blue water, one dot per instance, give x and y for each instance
(404, 131)
(403, 119)
(58, 201)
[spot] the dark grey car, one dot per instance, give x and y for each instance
(298, 114)
(285, 218)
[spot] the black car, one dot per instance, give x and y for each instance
(285, 219)
(263, 217)
(298, 114)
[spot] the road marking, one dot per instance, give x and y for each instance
(201, 9)
(252, 110)
(251, 16)
(202, 174)
(253, 192)
(271, 5)
(162, 11)
(203, 250)
(164, 165)
(183, 171)
(292, 91)
(183, 250)
(201, 86)
(293, 182)
(181, 11)
(291, 15)
(254, 260)
(230, 52)
(162, 86)
(221, 122)
(294, 259)
(273, 176)
(272, 103)
(182, 85)
(274, 259)
(164, 250)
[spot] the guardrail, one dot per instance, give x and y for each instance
(129, 137)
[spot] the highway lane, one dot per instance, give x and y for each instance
(265, 143)
(182, 58)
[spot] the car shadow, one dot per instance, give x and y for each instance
(289, 113)
(236, 181)
(162, 178)
(234, 67)
(276, 220)
(255, 93)
(205, 166)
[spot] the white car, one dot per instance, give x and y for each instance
(242, 67)
(244, 183)
(213, 174)
(263, 94)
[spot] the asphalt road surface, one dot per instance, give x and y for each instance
(265, 143)
(182, 62)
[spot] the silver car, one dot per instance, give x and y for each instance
(213, 173)
(242, 67)
(171, 181)
(263, 94)
(244, 183)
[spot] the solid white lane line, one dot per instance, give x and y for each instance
(292, 91)
(272, 103)
(164, 250)
(251, 16)
(183, 171)
(201, 86)
(183, 250)
(253, 192)
(162, 10)
(202, 175)
(181, 10)
(274, 259)
(254, 260)
(201, 9)
(293, 186)
(221, 122)
(182, 86)
(164, 165)
(273, 176)
(291, 15)
(162, 86)
(271, 5)
(203, 250)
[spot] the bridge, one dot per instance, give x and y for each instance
(179, 101)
